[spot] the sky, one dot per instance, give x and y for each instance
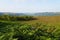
(29, 6)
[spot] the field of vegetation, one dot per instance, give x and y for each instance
(29, 27)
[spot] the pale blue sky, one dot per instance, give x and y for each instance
(29, 5)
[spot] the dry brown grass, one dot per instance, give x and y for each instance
(45, 19)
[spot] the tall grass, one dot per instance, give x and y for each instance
(14, 31)
(19, 31)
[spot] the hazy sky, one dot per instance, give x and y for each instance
(29, 5)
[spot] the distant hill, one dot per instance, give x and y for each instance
(1, 13)
(32, 14)
(47, 14)
(16, 14)
(12, 14)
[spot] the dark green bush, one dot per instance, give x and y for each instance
(16, 18)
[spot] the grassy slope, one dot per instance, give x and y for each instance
(53, 20)
(45, 19)
(20, 29)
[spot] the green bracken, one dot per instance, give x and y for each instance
(11, 30)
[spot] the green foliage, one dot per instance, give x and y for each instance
(15, 31)
(16, 18)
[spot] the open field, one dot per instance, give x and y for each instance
(41, 19)
(29, 28)
(45, 19)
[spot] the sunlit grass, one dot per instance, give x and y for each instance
(44, 28)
